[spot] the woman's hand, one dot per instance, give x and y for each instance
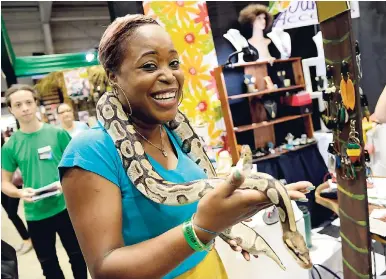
(296, 191)
(26, 194)
(226, 205)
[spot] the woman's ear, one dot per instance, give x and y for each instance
(112, 77)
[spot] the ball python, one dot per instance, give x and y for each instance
(111, 115)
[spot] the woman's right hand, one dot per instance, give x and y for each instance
(26, 194)
(226, 205)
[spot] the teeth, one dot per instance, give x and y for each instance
(164, 96)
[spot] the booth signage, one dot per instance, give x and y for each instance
(298, 14)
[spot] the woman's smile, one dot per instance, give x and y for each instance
(166, 99)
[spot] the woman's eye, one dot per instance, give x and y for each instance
(149, 66)
(175, 64)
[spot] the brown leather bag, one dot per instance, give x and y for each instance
(260, 113)
(17, 178)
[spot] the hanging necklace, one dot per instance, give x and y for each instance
(162, 142)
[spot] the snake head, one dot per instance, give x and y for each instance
(297, 247)
(245, 162)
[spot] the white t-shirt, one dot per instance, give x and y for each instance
(78, 128)
(377, 137)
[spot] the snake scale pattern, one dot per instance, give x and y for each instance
(112, 116)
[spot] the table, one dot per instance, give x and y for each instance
(334, 206)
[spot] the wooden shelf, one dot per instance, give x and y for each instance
(278, 154)
(235, 65)
(263, 132)
(264, 92)
(254, 126)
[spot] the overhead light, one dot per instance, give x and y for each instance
(90, 56)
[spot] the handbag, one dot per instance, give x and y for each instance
(8, 262)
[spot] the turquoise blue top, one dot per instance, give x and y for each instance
(143, 219)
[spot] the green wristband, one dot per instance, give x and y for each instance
(192, 239)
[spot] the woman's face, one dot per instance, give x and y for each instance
(150, 75)
(65, 113)
(260, 22)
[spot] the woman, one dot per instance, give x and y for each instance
(121, 232)
(379, 114)
(11, 206)
(66, 116)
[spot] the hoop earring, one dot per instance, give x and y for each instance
(124, 94)
(182, 97)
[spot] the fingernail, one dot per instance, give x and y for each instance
(302, 200)
(238, 249)
(237, 174)
(311, 188)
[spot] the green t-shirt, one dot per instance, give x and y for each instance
(21, 150)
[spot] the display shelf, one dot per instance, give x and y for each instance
(236, 65)
(284, 151)
(267, 123)
(265, 92)
(263, 132)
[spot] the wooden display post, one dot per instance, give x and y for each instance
(338, 42)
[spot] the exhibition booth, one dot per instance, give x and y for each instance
(284, 78)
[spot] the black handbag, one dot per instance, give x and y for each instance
(8, 262)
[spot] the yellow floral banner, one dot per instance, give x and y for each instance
(187, 22)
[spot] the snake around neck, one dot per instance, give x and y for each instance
(118, 125)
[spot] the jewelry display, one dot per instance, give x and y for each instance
(249, 82)
(282, 41)
(347, 90)
(281, 76)
(271, 108)
(238, 42)
(269, 83)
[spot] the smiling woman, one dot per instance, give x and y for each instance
(122, 232)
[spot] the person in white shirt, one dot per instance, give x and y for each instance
(66, 117)
(379, 114)
(376, 137)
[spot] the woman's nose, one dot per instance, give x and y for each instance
(167, 76)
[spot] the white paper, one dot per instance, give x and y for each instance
(377, 227)
(354, 6)
(378, 213)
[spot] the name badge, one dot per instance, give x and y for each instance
(45, 153)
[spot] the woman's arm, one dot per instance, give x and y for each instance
(94, 205)
(380, 109)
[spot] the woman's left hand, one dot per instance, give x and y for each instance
(296, 191)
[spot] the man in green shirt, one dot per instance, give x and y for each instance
(37, 149)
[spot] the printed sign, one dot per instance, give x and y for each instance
(298, 14)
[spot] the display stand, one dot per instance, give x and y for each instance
(264, 131)
(335, 24)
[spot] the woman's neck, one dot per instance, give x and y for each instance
(150, 131)
(257, 35)
(68, 125)
(31, 127)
